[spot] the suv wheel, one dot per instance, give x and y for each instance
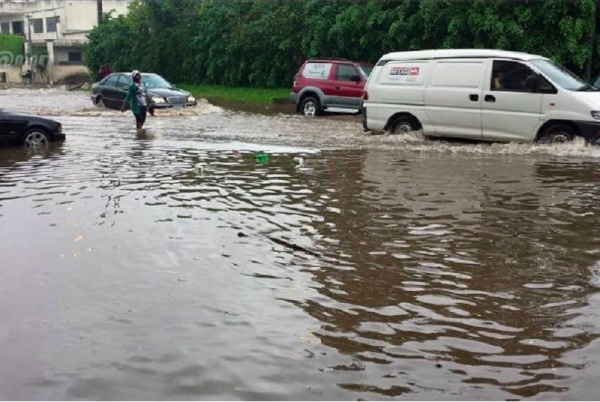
(310, 106)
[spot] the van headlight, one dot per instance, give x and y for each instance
(595, 114)
(191, 99)
(158, 99)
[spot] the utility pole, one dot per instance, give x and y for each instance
(100, 13)
(593, 62)
(29, 72)
(596, 34)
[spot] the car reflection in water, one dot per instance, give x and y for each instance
(112, 90)
(12, 158)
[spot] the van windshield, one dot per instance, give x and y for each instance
(560, 75)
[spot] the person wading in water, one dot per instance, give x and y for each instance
(137, 100)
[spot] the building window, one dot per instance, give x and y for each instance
(75, 57)
(17, 27)
(6, 27)
(38, 25)
(51, 24)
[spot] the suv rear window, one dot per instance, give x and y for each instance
(317, 70)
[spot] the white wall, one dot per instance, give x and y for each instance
(62, 72)
(13, 74)
(77, 18)
(80, 15)
(83, 15)
(75, 15)
(61, 54)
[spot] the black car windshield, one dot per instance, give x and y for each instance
(155, 81)
(366, 70)
(560, 75)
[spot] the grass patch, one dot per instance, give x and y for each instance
(250, 95)
(256, 96)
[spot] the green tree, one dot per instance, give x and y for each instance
(110, 42)
(263, 42)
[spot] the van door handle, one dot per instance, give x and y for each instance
(337, 87)
(490, 98)
(474, 97)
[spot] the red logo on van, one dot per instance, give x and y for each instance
(404, 71)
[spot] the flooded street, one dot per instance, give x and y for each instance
(174, 266)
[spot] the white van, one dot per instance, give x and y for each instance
(480, 94)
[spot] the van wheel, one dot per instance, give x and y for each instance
(557, 134)
(404, 124)
(310, 106)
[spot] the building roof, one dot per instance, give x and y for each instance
(462, 53)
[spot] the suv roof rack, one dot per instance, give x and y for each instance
(328, 58)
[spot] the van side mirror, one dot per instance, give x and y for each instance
(355, 78)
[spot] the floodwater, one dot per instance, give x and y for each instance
(346, 266)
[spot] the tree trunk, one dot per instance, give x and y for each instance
(100, 13)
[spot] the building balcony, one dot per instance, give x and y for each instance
(12, 7)
(60, 42)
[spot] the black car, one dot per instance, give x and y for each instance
(28, 130)
(112, 90)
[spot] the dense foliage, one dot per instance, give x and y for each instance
(262, 43)
(11, 49)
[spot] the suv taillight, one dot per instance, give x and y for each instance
(365, 95)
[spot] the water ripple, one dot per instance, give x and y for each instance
(176, 266)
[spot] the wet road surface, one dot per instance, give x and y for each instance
(347, 266)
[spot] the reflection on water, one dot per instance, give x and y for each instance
(172, 266)
(479, 266)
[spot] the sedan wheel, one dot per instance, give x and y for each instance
(99, 101)
(36, 139)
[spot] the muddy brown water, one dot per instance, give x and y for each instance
(175, 266)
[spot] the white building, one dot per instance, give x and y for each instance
(60, 25)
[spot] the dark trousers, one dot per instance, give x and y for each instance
(140, 117)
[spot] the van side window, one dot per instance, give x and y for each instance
(511, 76)
(345, 72)
(545, 86)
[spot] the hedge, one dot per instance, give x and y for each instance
(12, 49)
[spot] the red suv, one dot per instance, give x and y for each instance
(323, 83)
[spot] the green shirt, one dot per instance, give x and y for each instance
(133, 95)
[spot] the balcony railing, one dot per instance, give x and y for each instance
(61, 42)
(12, 7)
